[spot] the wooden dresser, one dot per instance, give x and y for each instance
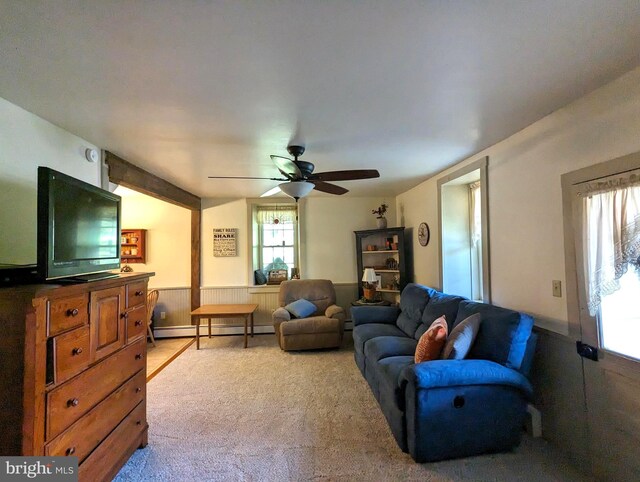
(73, 372)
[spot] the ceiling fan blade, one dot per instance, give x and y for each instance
(287, 167)
(350, 175)
(329, 188)
(248, 177)
(271, 192)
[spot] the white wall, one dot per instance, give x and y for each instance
(224, 213)
(525, 199)
(168, 241)
(328, 226)
(26, 142)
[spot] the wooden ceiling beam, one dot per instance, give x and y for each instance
(125, 174)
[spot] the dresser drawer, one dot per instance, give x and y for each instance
(136, 294)
(71, 353)
(107, 458)
(67, 403)
(136, 323)
(85, 435)
(67, 313)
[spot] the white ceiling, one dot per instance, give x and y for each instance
(187, 89)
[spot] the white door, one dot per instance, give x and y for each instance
(610, 338)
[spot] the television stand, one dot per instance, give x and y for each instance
(87, 278)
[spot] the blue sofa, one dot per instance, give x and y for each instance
(445, 409)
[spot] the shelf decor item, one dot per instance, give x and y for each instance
(381, 221)
(370, 280)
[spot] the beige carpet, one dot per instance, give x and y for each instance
(226, 413)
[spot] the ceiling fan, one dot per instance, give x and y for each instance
(299, 178)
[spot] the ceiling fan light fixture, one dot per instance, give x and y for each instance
(296, 189)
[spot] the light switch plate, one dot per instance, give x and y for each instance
(557, 288)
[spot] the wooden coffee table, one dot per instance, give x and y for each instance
(223, 311)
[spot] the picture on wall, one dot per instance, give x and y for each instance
(225, 242)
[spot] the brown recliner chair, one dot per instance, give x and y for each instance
(322, 329)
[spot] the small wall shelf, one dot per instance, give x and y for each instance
(133, 246)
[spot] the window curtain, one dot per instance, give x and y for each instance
(611, 235)
(276, 214)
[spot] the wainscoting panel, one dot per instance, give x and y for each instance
(557, 380)
(175, 302)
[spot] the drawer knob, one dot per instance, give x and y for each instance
(138, 390)
(77, 351)
(139, 422)
(71, 451)
(73, 402)
(124, 315)
(138, 323)
(73, 312)
(138, 356)
(139, 293)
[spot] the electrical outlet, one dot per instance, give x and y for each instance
(163, 315)
(557, 288)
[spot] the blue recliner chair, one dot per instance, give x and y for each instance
(445, 409)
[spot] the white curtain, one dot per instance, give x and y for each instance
(277, 214)
(611, 235)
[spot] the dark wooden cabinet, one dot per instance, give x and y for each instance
(384, 250)
(73, 372)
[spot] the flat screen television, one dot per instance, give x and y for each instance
(78, 228)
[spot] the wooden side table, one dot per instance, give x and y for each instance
(224, 311)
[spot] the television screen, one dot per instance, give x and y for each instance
(78, 227)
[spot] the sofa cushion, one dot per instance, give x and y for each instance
(431, 343)
(412, 302)
(502, 336)
(301, 308)
(311, 325)
(364, 333)
(386, 346)
(461, 338)
(439, 304)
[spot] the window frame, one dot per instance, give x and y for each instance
(574, 276)
(481, 165)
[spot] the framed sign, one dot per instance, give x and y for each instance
(225, 242)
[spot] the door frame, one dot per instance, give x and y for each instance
(604, 377)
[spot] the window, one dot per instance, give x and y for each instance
(611, 240)
(276, 239)
(464, 243)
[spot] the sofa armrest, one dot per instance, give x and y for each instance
(335, 311)
(361, 315)
(279, 315)
(450, 373)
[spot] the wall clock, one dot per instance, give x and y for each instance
(423, 234)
